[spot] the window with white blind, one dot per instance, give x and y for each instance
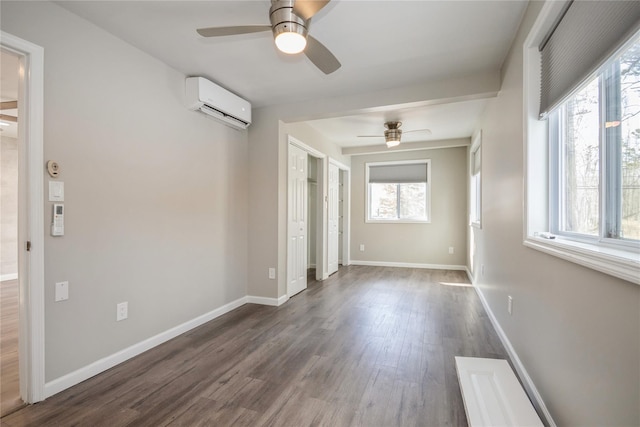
(582, 127)
(475, 186)
(398, 191)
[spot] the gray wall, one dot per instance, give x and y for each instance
(9, 206)
(156, 196)
(268, 159)
(576, 330)
(415, 243)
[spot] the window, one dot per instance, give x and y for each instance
(595, 136)
(398, 191)
(476, 181)
(582, 135)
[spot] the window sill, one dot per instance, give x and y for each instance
(396, 221)
(614, 262)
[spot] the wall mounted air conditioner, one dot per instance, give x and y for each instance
(217, 102)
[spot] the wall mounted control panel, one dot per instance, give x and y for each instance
(57, 222)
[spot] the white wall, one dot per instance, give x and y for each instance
(577, 331)
(9, 207)
(156, 196)
(415, 243)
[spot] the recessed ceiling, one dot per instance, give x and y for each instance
(381, 44)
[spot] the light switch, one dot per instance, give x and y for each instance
(56, 191)
(62, 291)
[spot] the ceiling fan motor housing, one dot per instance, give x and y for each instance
(393, 132)
(283, 20)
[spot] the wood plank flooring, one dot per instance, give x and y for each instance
(9, 382)
(370, 346)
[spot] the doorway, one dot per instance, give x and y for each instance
(9, 283)
(337, 216)
(317, 215)
(22, 94)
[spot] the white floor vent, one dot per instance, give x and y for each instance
(492, 394)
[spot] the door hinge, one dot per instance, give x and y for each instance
(28, 245)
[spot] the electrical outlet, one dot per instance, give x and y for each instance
(450, 250)
(62, 291)
(272, 273)
(510, 304)
(361, 247)
(122, 311)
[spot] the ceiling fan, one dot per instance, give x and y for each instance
(290, 20)
(6, 119)
(393, 133)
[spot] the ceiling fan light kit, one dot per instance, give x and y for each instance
(393, 133)
(289, 30)
(290, 21)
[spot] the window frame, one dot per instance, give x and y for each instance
(620, 260)
(369, 220)
(475, 197)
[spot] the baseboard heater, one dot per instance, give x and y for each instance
(492, 394)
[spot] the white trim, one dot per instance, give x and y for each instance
(101, 365)
(305, 147)
(469, 275)
(275, 302)
(622, 264)
(284, 298)
(7, 277)
(476, 145)
(409, 265)
(529, 386)
(30, 135)
(340, 165)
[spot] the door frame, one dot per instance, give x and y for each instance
(346, 210)
(321, 225)
(30, 216)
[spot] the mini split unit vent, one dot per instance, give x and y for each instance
(209, 98)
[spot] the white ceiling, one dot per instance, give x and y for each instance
(381, 45)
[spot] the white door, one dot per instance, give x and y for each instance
(297, 221)
(333, 214)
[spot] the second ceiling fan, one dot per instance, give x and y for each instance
(290, 20)
(393, 133)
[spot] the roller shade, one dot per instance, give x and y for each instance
(398, 173)
(587, 34)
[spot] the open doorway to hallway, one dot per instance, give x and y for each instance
(9, 268)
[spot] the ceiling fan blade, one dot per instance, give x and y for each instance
(8, 118)
(370, 136)
(232, 31)
(427, 131)
(305, 9)
(321, 56)
(8, 105)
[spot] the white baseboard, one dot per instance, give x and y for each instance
(5, 277)
(267, 301)
(529, 386)
(469, 275)
(76, 377)
(409, 265)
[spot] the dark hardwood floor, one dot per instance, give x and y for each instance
(370, 346)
